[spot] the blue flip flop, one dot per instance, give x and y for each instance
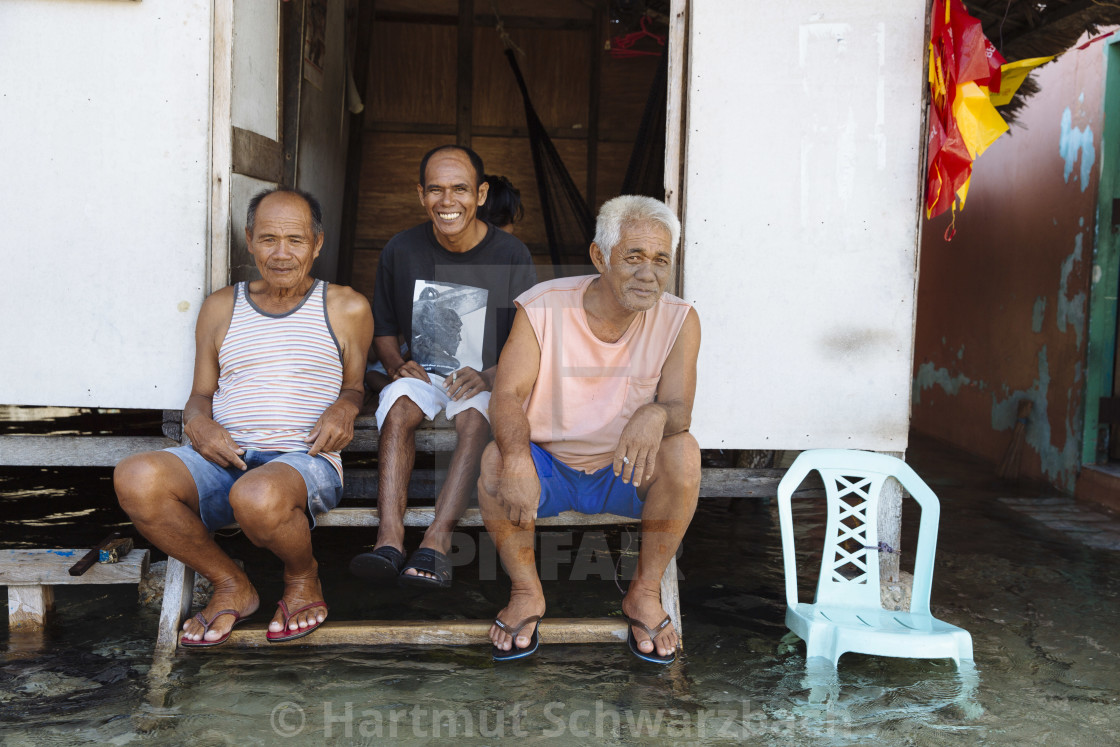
(498, 654)
(632, 641)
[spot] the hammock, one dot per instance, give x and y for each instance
(567, 219)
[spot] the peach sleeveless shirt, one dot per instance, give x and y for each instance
(587, 389)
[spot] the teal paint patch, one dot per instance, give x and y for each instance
(1071, 309)
(1038, 314)
(1060, 465)
(928, 376)
(960, 353)
(1075, 142)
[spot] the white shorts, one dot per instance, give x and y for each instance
(431, 398)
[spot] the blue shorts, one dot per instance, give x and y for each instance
(324, 485)
(567, 489)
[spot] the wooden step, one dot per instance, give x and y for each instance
(427, 633)
(472, 517)
(715, 482)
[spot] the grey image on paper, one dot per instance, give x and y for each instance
(448, 323)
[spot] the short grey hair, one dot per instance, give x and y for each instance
(312, 205)
(627, 209)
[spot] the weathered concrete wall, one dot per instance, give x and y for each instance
(1002, 307)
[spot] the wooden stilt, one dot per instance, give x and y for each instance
(29, 605)
(177, 591)
(670, 596)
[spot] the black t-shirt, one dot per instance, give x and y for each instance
(462, 303)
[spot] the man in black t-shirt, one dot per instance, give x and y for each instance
(446, 288)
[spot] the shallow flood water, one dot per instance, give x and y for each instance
(1040, 607)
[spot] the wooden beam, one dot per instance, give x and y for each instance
(486, 20)
(472, 517)
(291, 82)
(430, 633)
(49, 567)
(676, 125)
(221, 145)
(464, 85)
(75, 451)
(355, 139)
(715, 482)
(178, 590)
(257, 156)
(598, 31)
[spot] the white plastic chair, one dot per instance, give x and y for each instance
(847, 615)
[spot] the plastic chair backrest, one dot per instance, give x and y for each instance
(853, 480)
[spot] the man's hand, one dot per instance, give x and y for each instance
(519, 490)
(333, 430)
(410, 370)
(636, 454)
(465, 383)
(213, 442)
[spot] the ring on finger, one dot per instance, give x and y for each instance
(626, 460)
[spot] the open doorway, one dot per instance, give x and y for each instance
(438, 73)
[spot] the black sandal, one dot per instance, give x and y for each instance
(632, 641)
(514, 652)
(383, 564)
(430, 561)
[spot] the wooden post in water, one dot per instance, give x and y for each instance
(29, 605)
(890, 526)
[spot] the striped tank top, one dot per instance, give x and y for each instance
(278, 373)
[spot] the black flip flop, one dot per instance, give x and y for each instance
(430, 561)
(383, 564)
(498, 654)
(632, 641)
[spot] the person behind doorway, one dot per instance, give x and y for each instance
(503, 205)
(277, 385)
(591, 408)
(445, 287)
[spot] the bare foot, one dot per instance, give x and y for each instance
(522, 605)
(300, 591)
(646, 607)
(235, 594)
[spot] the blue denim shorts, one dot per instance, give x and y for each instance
(567, 489)
(324, 485)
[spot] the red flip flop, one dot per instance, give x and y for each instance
(291, 635)
(203, 643)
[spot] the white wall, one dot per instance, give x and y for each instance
(802, 169)
(104, 121)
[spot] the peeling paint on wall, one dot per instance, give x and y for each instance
(927, 376)
(1071, 309)
(1059, 465)
(1038, 314)
(1075, 141)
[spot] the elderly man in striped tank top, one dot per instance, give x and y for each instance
(278, 375)
(590, 411)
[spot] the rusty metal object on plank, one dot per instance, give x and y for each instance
(115, 550)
